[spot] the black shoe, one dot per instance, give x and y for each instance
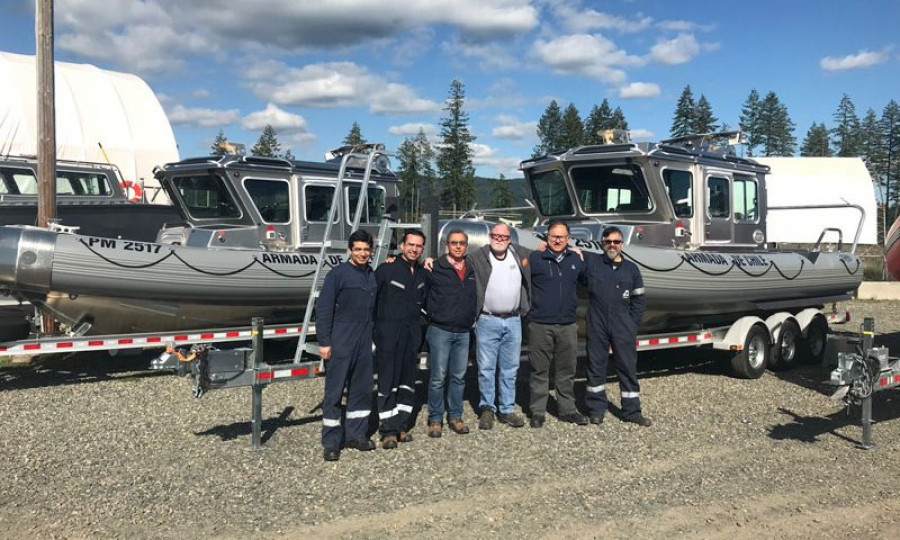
(331, 455)
(640, 420)
(389, 442)
(536, 421)
(511, 419)
(486, 419)
(574, 418)
(363, 445)
(596, 419)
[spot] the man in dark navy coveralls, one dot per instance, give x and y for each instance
(402, 288)
(617, 303)
(344, 321)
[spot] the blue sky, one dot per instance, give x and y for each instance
(311, 68)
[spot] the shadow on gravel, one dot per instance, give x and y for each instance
(269, 426)
(78, 368)
(885, 406)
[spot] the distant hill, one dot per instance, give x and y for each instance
(484, 193)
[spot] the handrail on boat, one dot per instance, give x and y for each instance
(862, 219)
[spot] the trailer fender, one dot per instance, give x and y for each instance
(805, 318)
(776, 322)
(736, 334)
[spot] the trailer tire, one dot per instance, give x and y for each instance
(751, 362)
(812, 346)
(786, 349)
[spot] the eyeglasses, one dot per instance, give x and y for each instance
(558, 237)
(500, 237)
(615, 242)
(457, 243)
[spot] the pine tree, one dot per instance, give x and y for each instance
(219, 144)
(683, 121)
(415, 170)
(775, 128)
(572, 128)
(704, 121)
(288, 155)
(816, 143)
(501, 191)
(267, 145)
(749, 121)
(549, 131)
(846, 130)
(890, 143)
(599, 120)
(455, 156)
(618, 120)
(354, 138)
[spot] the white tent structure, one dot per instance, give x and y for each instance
(100, 116)
(807, 181)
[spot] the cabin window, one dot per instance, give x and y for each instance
(611, 188)
(318, 202)
(549, 189)
(374, 209)
(205, 197)
(717, 197)
(271, 198)
(85, 184)
(745, 199)
(679, 187)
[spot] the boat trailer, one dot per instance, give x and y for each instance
(861, 373)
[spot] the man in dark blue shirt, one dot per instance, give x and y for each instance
(552, 330)
(617, 303)
(344, 322)
(398, 337)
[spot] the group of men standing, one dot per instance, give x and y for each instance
(490, 290)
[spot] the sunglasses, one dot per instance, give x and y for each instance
(500, 237)
(615, 242)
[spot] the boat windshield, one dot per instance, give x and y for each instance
(205, 197)
(611, 188)
(549, 189)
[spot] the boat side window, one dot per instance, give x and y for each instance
(717, 197)
(374, 210)
(549, 189)
(205, 197)
(745, 199)
(271, 198)
(611, 188)
(318, 202)
(86, 184)
(18, 182)
(679, 187)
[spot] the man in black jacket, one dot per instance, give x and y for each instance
(451, 311)
(344, 312)
(398, 337)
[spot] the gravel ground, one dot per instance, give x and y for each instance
(100, 448)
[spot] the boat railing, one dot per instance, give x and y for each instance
(859, 226)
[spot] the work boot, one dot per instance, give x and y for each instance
(512, 419)
(405, 437)
(537, 420)
(640, 420)
(486, 419)
(458, 426)
(389, 442)
(363, 445)
(574, 418)
(434, 430)
(332, 454)
(596, 419)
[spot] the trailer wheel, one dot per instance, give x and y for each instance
(812, 347)
(786, 350)
(752, 361)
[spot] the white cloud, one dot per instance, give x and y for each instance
(577, 20)
(335, 84)
(412, 129)
(485, 156)
(490, 56)
(685, 26)
(588, 55)
(678, 50)
(200, 93)
(273, 116)
(639, 90)
(513, 129)
(862, 59)
(640, 135)
(202, 117)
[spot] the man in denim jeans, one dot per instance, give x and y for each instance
(504, 285)
(451, 312)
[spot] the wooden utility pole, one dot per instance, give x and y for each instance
(46, 122)
(46, 113)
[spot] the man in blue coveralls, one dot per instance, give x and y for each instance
(402, 288)
(617, 303)
(344, 323)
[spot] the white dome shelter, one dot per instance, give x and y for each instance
(100, 115)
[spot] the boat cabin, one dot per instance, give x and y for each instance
(682, 192)
(245, 202)
(77, 182)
